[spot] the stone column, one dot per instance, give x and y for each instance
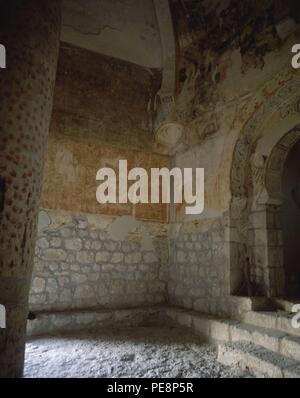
(30, 32)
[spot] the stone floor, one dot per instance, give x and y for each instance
(130, 352)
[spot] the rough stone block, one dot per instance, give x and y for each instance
(184, 319)
(54, 255)
(85, 257)
(42, 243)
(290, 347)
(73, 244)
(241, 332)
(83, 292)
(219, 330)
(102, 257)
(117, 258)
(202, 326)
(78, 278)
(150, 258)
(38, 285)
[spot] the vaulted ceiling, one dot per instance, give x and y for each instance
(124, 29)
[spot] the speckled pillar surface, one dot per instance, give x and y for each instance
(30, 31)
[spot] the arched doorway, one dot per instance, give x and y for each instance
(256, 252)
(269, 224)
(291, 221)
(277, 234)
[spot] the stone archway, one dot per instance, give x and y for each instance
(266, 219)
(255, 243)
(290, 216)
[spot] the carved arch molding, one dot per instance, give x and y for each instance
(256, 255)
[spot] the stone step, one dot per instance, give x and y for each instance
(278, 320)
(271, 339)
(284, 304)
(219, 330)
(48, 323)
(257, 360)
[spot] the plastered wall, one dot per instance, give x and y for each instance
(89, 254)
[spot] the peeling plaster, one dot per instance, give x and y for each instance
(122, 226)
(43, 221)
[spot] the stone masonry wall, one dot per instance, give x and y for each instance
(79, 265)
(199, 277)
